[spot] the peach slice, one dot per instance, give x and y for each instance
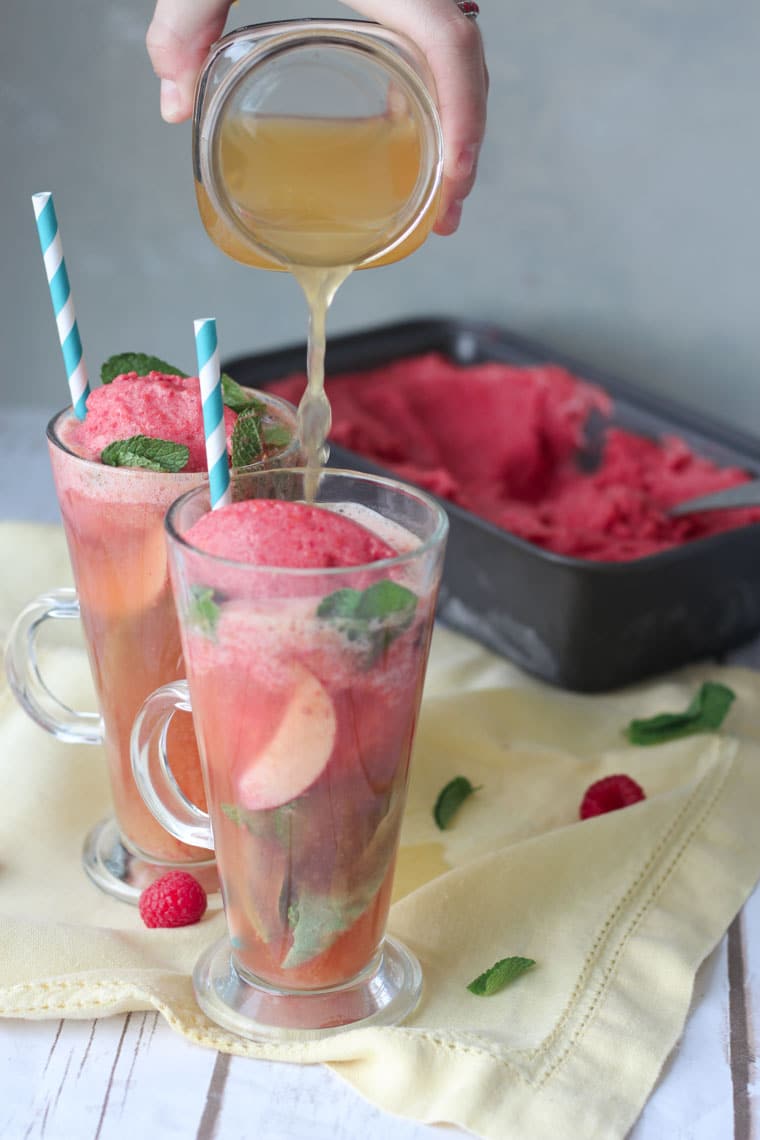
(298, 751)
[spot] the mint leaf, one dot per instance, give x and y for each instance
(138, 362)
(203, 613)
(237, 398)
(373, 617)
(275, 435)
(256, 903)
(317, 920)
(342, 604)
(143, 451)
(386, 599)
(233, 813)
(246, 438)
(500, 975)
(269, 822)
(706, 713)
(450, 800)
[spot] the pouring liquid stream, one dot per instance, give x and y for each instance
(318, 199)
(314, 413)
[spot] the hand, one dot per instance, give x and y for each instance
(452, 45)
(182, 31)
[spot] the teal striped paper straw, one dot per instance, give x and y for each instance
(63, 302)
(209, 373)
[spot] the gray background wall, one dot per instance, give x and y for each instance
(616, 213)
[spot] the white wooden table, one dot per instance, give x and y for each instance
(131, 1076)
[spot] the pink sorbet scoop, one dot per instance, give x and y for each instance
(275, 532)
(159, 406)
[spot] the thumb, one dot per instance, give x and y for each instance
(178, 39)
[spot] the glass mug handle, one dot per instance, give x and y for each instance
(153, 776)
(26, 681)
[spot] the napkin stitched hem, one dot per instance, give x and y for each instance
(606, 935)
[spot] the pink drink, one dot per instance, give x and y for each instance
(113, 518)
(305, 723)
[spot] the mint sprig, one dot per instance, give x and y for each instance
(144, 451)
(318, 919)
(706, 713)
(499, 975)
(450, 799)
(340, 605)
(267, 918)
(386, 599)
(246, 445)
(203, 612)
(275, 435)
(374, 617)
(238, 398)
(234, 813)
(139, 362)
(265, 822)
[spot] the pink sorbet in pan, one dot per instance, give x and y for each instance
(159, 406)
(503, 441)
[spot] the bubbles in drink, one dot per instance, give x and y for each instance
(399, 537)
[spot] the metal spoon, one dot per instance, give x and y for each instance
(743, 495)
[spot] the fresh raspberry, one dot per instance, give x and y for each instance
(609, 794)
(176, 899)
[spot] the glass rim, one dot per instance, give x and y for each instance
(437, 537)
(53, 436)
(328, 23)
(313, 28)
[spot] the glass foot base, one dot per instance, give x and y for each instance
(386, 993)
(123, 874)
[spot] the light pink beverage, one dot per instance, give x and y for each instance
(306, 629)
(294, 856)
(306, 725)
(113, 519)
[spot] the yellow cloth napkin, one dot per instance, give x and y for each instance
(618, 911)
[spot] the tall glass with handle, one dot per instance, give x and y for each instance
(113, 518)
(304, 686)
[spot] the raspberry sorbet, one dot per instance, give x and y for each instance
(156, 405)
(506, 443)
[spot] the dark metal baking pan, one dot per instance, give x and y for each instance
(582, 625)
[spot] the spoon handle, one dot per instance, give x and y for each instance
(743, 495)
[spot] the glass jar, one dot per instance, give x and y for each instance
(316, 143)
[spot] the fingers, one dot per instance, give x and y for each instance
(452, 44)
(455, 53)
(178, 40)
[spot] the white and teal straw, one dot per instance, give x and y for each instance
(63, 302)
(209, 373)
